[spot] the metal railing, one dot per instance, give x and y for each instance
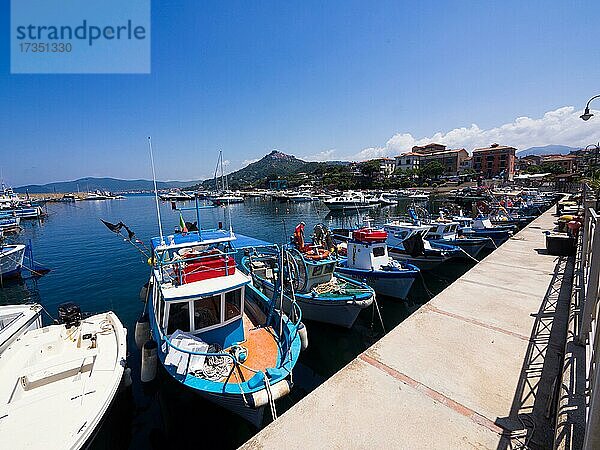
(589, 331)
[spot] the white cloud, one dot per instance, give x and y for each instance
(325, 155)
(561, 126)
(249, 161)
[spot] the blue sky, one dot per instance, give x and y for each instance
(316, 79)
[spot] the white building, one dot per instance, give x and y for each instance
(386, 167)
(407, 161)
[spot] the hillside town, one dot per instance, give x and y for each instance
(434, 164)
(493, 162)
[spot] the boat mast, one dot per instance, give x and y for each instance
(222, 171)
(162, 239)
(216, 173)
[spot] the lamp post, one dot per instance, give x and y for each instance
(587, 115)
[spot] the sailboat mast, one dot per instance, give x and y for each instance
(222, 171)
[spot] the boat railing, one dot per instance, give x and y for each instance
(589, 331)
(172, 270)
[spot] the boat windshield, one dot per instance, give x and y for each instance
(206, 312)
(5, 321)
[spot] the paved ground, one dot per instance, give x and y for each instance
(473, 368)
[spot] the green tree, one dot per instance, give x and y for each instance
(552, 168)
(533, 169)
(370, 168)
(433, 169)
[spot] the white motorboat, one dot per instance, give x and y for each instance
(226, 199)
(15, 320)
(300, 197)
(11, 259)
(418, 196)
(176, 195)
(386, 200)
(98, 195)
(351, 200)
(57, 382)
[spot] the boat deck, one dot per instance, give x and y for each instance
(262, 350)
(338, 288)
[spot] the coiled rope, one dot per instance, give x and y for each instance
(215, 367)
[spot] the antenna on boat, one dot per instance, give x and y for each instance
(198, 224)
(162, 239)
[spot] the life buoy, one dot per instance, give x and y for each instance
(316, 254)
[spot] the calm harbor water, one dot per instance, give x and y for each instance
(99, 271)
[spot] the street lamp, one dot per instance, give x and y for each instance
(587, 115)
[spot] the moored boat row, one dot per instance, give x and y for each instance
(227, 316)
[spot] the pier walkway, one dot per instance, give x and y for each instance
(476, 367)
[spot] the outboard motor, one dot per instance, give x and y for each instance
(69, 314)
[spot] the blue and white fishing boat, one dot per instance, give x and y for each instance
(23, 212)
(444, 232)
(502, 217)
(322, 295)
(368, 261)
(407, 242)
(11, 259)
(481, 226)
(10, 225)
(217, 334)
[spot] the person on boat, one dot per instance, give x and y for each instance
(299, 235)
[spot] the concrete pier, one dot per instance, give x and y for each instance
(476, 367)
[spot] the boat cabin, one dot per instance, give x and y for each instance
(200, 291)
(481, 222)
(401, 231)
(310, 272)
(447, 230)
(463, 221)
(214, 316)
(367, 250)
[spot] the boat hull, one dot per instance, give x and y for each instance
(237, 405)
(423, 262)
(391, 284)
(339, 312)
(471, 246)
(497, 237)
(11, 260)
(347, 206)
